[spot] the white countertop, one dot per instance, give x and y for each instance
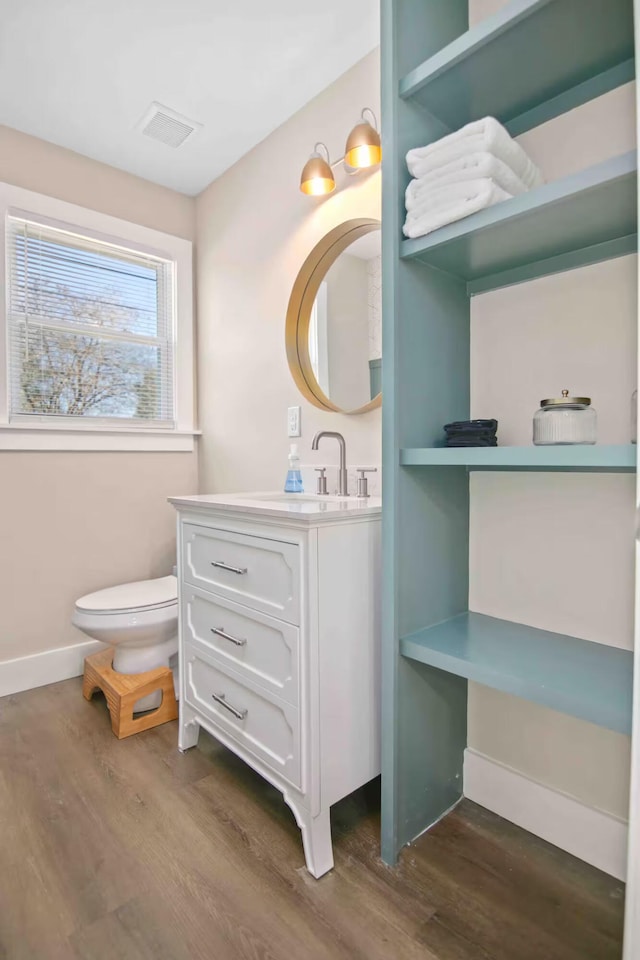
(292, 506)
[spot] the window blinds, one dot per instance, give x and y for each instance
(90, 328)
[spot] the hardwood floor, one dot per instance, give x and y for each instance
(126, 850)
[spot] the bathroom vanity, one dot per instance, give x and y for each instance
(280, 643)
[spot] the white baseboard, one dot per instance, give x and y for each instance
(39, 669)
(592, 835)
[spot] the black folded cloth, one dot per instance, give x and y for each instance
(470, 426)
(471, 433)
(472, 442)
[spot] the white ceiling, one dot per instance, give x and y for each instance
(81, 73)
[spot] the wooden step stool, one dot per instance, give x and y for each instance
(123, 690)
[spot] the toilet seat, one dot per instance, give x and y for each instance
(137, 597)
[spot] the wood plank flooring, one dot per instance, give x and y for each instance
(126, 850)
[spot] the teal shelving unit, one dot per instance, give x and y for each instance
(532, 61)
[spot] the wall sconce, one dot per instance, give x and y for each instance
(317, 175)
(361, 152)
(363, 144)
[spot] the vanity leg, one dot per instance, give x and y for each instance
(316, 840)
(188, 729)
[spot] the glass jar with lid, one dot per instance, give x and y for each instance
(565, 419)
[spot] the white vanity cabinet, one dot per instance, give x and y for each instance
(280, 644)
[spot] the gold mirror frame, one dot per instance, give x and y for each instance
(303, 295)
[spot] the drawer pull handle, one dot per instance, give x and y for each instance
(221, 632)
(225, 566)
(221, 699)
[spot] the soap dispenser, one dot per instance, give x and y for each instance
(294, 477)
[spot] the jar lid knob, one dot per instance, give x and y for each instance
(565, 393)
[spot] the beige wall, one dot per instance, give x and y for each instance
(37, 165)
(74, 522)
(254, 229)
(556, 550)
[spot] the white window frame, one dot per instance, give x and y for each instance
(46, 434)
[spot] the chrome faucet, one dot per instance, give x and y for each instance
(343, 490)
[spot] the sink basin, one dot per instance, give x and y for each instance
(294, 497)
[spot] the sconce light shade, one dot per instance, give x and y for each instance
(317, 176)
(363, 145)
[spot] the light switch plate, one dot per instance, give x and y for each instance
(293, 422)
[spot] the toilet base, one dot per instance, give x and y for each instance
(135, 659)
(124, 690)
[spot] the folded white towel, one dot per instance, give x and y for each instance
(475, 166)
(452, 193)
(481, 135)
(452, 202)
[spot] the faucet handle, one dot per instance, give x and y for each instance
(321, 486)
(363, 483)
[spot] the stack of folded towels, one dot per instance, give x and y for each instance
(471, 433)
(464, 172)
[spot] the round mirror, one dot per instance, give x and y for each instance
(334, 320)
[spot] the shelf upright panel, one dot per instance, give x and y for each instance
(631, 947)
(425, 382)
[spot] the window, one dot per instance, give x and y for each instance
(98, 331)
(90, 328)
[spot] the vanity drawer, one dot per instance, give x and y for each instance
(265, 726)
(254, 645)
(260, 573)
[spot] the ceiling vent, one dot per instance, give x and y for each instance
(163, 124)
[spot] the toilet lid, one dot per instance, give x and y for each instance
(140, 595)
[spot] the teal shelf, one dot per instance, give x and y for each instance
(532, 61)
(581, 219)
(587, 680)
(597, 458)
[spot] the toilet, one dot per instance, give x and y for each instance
(140, 620)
